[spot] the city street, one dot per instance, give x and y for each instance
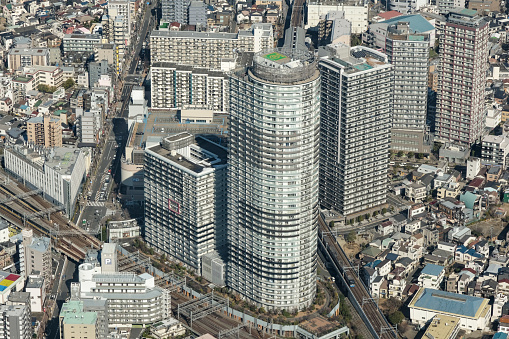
(70, 275)
(95, 209)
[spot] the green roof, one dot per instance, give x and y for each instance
(275, 56)
(371, 251)
(60, 111)
(38, 103)
(164, 25)
(417, 23)
(80, 318)
(416, 38)
(469, 12)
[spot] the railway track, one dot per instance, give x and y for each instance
(72, 245)
(360, 293)
(297, 14)
(214, 323)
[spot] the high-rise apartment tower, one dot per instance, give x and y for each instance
(356, 105)
(409, 54)
(273, 180)
(460, 109)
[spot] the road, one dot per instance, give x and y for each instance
(70, 275)
(115, 140)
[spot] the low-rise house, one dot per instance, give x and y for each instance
(449, 190)
(413, 226)
(376, 287)
(447, 246)
(416, 210)
(503, 324)
(416, 192)
(431, 276)
(397, 287)
(406, 263)
(451, 284)
(489, 288)
(464, 278)
(498, 304)
(494, 173)
(464, 254)
(385, 228)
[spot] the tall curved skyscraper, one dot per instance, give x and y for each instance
(273, 180)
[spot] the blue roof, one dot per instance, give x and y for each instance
(447, 302)
(373, 263)
(500, 335)
(417, 22)
(23, 107)
(471, 251)
(432, 269)
(392, 256)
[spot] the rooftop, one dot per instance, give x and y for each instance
(449, 303)
(442, 327)
(203, 153)
(432, 269)
(417, 23)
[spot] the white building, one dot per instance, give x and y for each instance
(35, 286)
(473, 313)
(59, 171)
(431, 276)
(123, 229)
(176, 86)
(273, 179)
(90, 125)
(356, 14)
(132, 299)
(407, 6)
(171, 222)
(208, 50)
(473, 167)
(495, 149)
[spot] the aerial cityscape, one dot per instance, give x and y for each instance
(254, 169)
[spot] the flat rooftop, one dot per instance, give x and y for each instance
(213, 155)
(442, 327)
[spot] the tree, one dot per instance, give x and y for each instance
(366, 216)
(331, 224)
(352, 221)
(375, 213)
(355, 40)
(384, 210)
(351, 237)
(420, 156)
(400, 154)
(396, 317)
(68, 83)
(46, 89)
(410, 154)
(261, 310)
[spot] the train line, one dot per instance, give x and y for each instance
(297, 19)
(360, 293)
(215, 322)
(73, 244)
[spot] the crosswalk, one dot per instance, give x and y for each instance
(95, 203)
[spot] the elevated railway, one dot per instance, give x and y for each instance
(357, 291)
